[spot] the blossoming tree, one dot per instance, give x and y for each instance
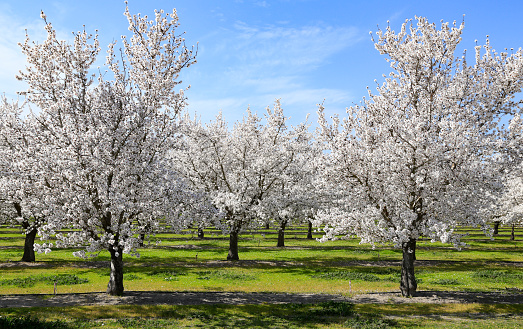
(509, 208)
(416, 158)
(296, 197)
(239, 168)
(104, 138)
(20, 191)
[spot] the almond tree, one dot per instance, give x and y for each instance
(510, 206)
(104, 138)
(19, 184)
(239, 168)
(296, 197)
(508, 209)
(417, 158)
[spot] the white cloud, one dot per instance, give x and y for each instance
(296, 103)
(273, 58)
(290, 49)
(263, 4)
(251, 65)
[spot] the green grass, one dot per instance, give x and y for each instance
(182, 262)
(32, 280)
(303, 266)
(264, 278)
(322, 315)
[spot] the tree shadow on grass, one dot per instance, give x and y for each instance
(271, 316)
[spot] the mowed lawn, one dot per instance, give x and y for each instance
(183, 262)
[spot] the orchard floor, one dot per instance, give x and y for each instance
(242, 298)
(238, 298)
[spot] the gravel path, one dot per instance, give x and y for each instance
(237, 298)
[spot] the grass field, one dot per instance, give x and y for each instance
(182, 262)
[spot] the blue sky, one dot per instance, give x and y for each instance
(252, 52)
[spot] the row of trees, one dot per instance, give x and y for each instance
(108, 156)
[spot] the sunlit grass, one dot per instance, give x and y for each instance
(324, 315)
(266, 278)
(182, 262)
(293, 268)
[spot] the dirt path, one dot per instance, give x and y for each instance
(237, 298)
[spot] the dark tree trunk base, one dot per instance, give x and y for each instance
(115, 285)
(281, 235)
(201, 234)
(512, 233)
(309, 231)
(233, 246)
(408, 285)
(29, 250)
(142, 239)
(496, 228)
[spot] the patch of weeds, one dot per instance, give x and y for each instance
(386, 270)
(224, 275)
(395, 278)
(104, 272)
(333, 308)
(358, 322)
(9, 322)
(363, 251)
(140, 323)
(497, 275)
(346, 275)
(131, 277)
(30, 281)
(446, 282)
(169, 275)
(200, 315)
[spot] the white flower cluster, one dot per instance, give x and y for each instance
(422, 154)
(250, 173)
(91, 160)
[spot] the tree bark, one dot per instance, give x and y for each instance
(233, 246)
(408, 283)
(201, 234)
(29, 250)
(115, 286)
(309, 231)
(496, 227)
(281, 234)
(512, 234)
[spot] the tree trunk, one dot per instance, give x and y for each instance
(309, 231)
(233, 246)
(496, 227)
(29, 250)
(512, 234)
(115, 286)
(281, 234)
(408, 284)
(201, 235)
(267, 226)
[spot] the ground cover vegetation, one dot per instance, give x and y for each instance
(188, 263)
(105, 168)
(305, 266)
